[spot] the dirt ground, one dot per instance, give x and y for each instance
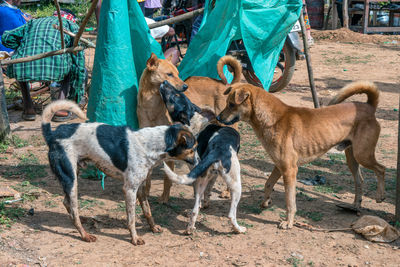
(44, 235)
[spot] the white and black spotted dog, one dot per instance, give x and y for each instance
(118, 151)
(217, 148)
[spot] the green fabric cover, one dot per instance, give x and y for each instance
(263, 26)
(123, 46)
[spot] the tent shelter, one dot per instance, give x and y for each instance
(124, 44)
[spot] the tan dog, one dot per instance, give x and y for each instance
(202, 91)
(293, 135)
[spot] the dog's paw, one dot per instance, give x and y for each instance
(156, 229)
(225, 194)
(266, 203)
(285, 225)
(205, 204)
(189, 231)
(239, 229)
(163, 199)
(89, 238)
(137, 241)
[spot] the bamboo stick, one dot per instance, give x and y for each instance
(40, 56)
(177, 19)
(85, 21)
(83, 40)
(61, 23)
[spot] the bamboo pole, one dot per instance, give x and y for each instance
(40, 56)
(308, 60)
(398, 170)
(83, 40)
(177, 19)
(85, 21)
(4, 122)
(61, 23)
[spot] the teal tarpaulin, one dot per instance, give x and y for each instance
(123, 46)
(263, 26)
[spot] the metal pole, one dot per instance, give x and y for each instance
(308, 60)
(4, 122)
(398, 170)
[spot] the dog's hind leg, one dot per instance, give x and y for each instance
(144, 203)
(130, 189)
(167, 185)
(289, 178)
(207, 192)
(269, 186)
(200, 184)
(364, 145)
(357, 175)
(234, 183)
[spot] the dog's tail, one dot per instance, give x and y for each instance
(52, 108)
(234, 64)
(362, 87)
(197, 171)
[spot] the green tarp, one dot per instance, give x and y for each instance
(263, 26)
(124, 44)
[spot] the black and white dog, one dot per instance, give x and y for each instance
(118, 151)
(217, 148)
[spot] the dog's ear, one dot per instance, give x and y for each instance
(208, 113)
(227, 91)
(170, 58)
(240, 96)
(152, 62)
(186, 139)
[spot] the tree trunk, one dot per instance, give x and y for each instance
(4, 123)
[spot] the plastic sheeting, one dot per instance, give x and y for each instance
(263, 26)
(123, 46)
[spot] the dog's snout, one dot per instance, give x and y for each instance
(184, 87)
(165, 82)
(219, 118)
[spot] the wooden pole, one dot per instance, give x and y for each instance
(334, 15)
(4, 122)
(85, 21)
(61, 23)
(40, 56)
(308, 60)
(83, 40)
(177, 19)
(398, 170)
(345, 14)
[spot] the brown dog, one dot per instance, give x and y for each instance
(293, 136)
(202, 91)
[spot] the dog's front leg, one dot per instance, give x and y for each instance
(130, 191)
(269, 186)
(167, 185)
(144, 203)
(289, 178)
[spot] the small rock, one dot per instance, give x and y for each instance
(366, 246)
(297, 255)
(367, 263)
(201, 254)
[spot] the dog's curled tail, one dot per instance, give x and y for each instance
(234, 64)
(362, 87)
(58, 105)
(179, 179)
(52, 108)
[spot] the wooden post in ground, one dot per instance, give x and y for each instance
(4, 122)
(398, 170)
(308, 60)
(334, 15)
(345, 11)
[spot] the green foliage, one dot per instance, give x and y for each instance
(313, 215)
(8, 215)
(295, 262)
(14, 141)
(47, 8)
(328, 189)
(243, 223)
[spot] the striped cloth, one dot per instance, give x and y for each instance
(39, 36)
